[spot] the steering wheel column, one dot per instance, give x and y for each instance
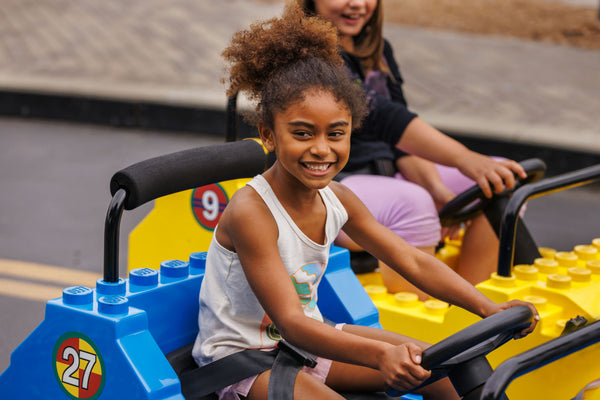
(469, 378)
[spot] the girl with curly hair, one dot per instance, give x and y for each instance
(271, 246)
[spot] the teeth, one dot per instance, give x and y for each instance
(317, 167)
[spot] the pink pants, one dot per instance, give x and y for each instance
(405, 207)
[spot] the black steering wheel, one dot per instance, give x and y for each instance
(461, 356)
(471, 202)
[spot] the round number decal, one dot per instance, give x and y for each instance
(78, 366)
(208, 203)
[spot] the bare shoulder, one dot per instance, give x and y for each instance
(345, 195)
(340, 190)
(359, 215)
(246, 204)
(245, 216)
(245, 212)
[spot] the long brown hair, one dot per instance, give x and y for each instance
(368, 44)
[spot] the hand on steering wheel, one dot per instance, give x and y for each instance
(472, 201)
(473, 342)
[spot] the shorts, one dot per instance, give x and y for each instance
(242, 388)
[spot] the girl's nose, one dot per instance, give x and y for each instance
(356, 3)
(320, 147)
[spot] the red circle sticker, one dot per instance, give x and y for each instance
(208, 203)
(78, 366)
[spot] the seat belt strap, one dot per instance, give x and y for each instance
(289, 361)
(226, 371)
(285, 362)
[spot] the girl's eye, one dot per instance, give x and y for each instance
(302, 134)
(337, 134)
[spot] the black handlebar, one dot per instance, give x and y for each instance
(538, 357)
(172, 173)
(510, 320)
(463, 206)
(511, 213)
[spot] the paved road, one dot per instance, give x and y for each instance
(54, 179)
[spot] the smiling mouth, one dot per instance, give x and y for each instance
(320, 167)
(351, 16)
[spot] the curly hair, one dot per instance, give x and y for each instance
(278, 60)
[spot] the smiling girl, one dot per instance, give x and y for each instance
(272, 243)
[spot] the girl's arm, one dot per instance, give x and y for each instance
(271, 284)
(425, 141)
(424, 271)
(424, 173)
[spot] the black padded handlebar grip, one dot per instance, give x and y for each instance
(187, 169)
(512, 319)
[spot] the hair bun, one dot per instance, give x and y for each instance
(255, 54)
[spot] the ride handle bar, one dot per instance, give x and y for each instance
(537, 357)
(510, 320)
(187, 169)
(171, 173)
(472, 201)
(558, 183)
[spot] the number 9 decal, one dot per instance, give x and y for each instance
(208, 203)
(78, 366)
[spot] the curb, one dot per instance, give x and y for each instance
(209, 118)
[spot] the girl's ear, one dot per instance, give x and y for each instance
(266, 136)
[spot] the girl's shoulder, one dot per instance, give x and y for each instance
(387, 47)
(246, 204)
(337, 187)
(355, 209)
(245, 211)
(342, 192)
(388, 55)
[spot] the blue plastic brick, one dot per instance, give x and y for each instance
(119, 333)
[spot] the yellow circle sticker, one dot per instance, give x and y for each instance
(78, 366)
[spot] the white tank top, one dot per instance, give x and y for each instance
(230, 318)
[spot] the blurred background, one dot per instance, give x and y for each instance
(88, 87)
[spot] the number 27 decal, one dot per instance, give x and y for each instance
(78, 366)
(71, 355)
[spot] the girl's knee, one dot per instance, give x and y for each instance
(414, 217)
(402, 206)
(307, 387)
(382, 194)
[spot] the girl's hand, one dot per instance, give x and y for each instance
(442, 195)
(451, 232)
(497, 307)
(492, 176)
(400, 367)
